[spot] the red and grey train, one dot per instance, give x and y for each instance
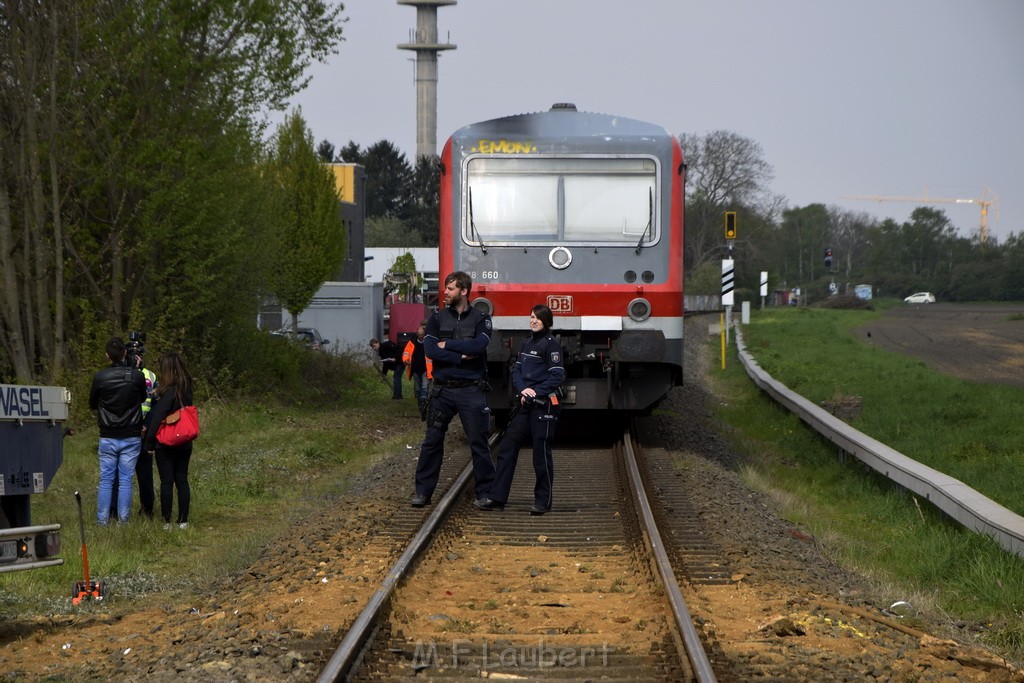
(582, 212)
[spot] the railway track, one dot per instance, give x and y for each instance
(586, 592)
(577, 594)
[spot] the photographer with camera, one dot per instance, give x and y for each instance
(117, 394)
(134, 351)
(536, 378)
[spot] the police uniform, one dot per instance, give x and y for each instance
(457, 389)
(538, 367)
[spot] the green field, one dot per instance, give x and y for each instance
(256, 468)
(972, 432)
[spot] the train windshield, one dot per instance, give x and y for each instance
(512, 200)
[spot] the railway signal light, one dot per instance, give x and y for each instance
(730, 225)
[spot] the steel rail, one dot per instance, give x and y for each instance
(341, 662)
(699, 661)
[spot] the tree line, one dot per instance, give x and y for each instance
(727, 172)
(402, 199)
(137, 190)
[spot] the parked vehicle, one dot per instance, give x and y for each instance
(308, 336)
(920, 298)
(32, 433)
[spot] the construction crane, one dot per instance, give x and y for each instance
(984, 202)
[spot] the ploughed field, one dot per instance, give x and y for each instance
(976, 342)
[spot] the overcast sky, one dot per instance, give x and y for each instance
(874, 97)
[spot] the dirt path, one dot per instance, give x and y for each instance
(979, 343)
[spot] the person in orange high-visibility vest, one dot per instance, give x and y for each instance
(420, 367)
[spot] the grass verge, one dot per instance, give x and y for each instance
(257, 468)
(862, 520)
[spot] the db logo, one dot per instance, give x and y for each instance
(560, 303)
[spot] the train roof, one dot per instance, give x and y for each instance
(560, 122)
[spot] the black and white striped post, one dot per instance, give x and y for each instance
(728, 284)
(728, 279)
(764, 287)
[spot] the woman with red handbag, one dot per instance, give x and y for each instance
(172, 394)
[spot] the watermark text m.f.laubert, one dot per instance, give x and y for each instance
(460, 653)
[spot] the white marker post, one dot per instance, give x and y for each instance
(728, 284)
(764, 287)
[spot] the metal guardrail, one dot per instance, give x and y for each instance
(958, 500)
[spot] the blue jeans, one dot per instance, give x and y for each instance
(118, 455)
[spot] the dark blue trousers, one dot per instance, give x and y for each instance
(537, 425)
(396, 382)
(470, 404)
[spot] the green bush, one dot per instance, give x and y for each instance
(848, 302)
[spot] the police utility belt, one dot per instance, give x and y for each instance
(458, 383)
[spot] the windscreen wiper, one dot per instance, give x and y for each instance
(472, 224)
(650, 219)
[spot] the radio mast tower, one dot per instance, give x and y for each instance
(426, 46)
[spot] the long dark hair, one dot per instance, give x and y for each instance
(173, 375)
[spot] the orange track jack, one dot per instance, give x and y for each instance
(84, 590)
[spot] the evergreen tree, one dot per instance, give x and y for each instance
(424, 217)
(325, 150)
(389, 182)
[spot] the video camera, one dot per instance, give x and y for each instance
(134, 348)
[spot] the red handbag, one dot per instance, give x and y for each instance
(179, 427)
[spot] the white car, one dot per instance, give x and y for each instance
(920, 298)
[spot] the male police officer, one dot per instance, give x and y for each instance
(456, 342)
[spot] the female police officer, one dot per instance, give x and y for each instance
(536, 377)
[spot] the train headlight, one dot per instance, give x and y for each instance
(484, 305)
(560, 258)
(639, 309)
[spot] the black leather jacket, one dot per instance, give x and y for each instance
(117, 395)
